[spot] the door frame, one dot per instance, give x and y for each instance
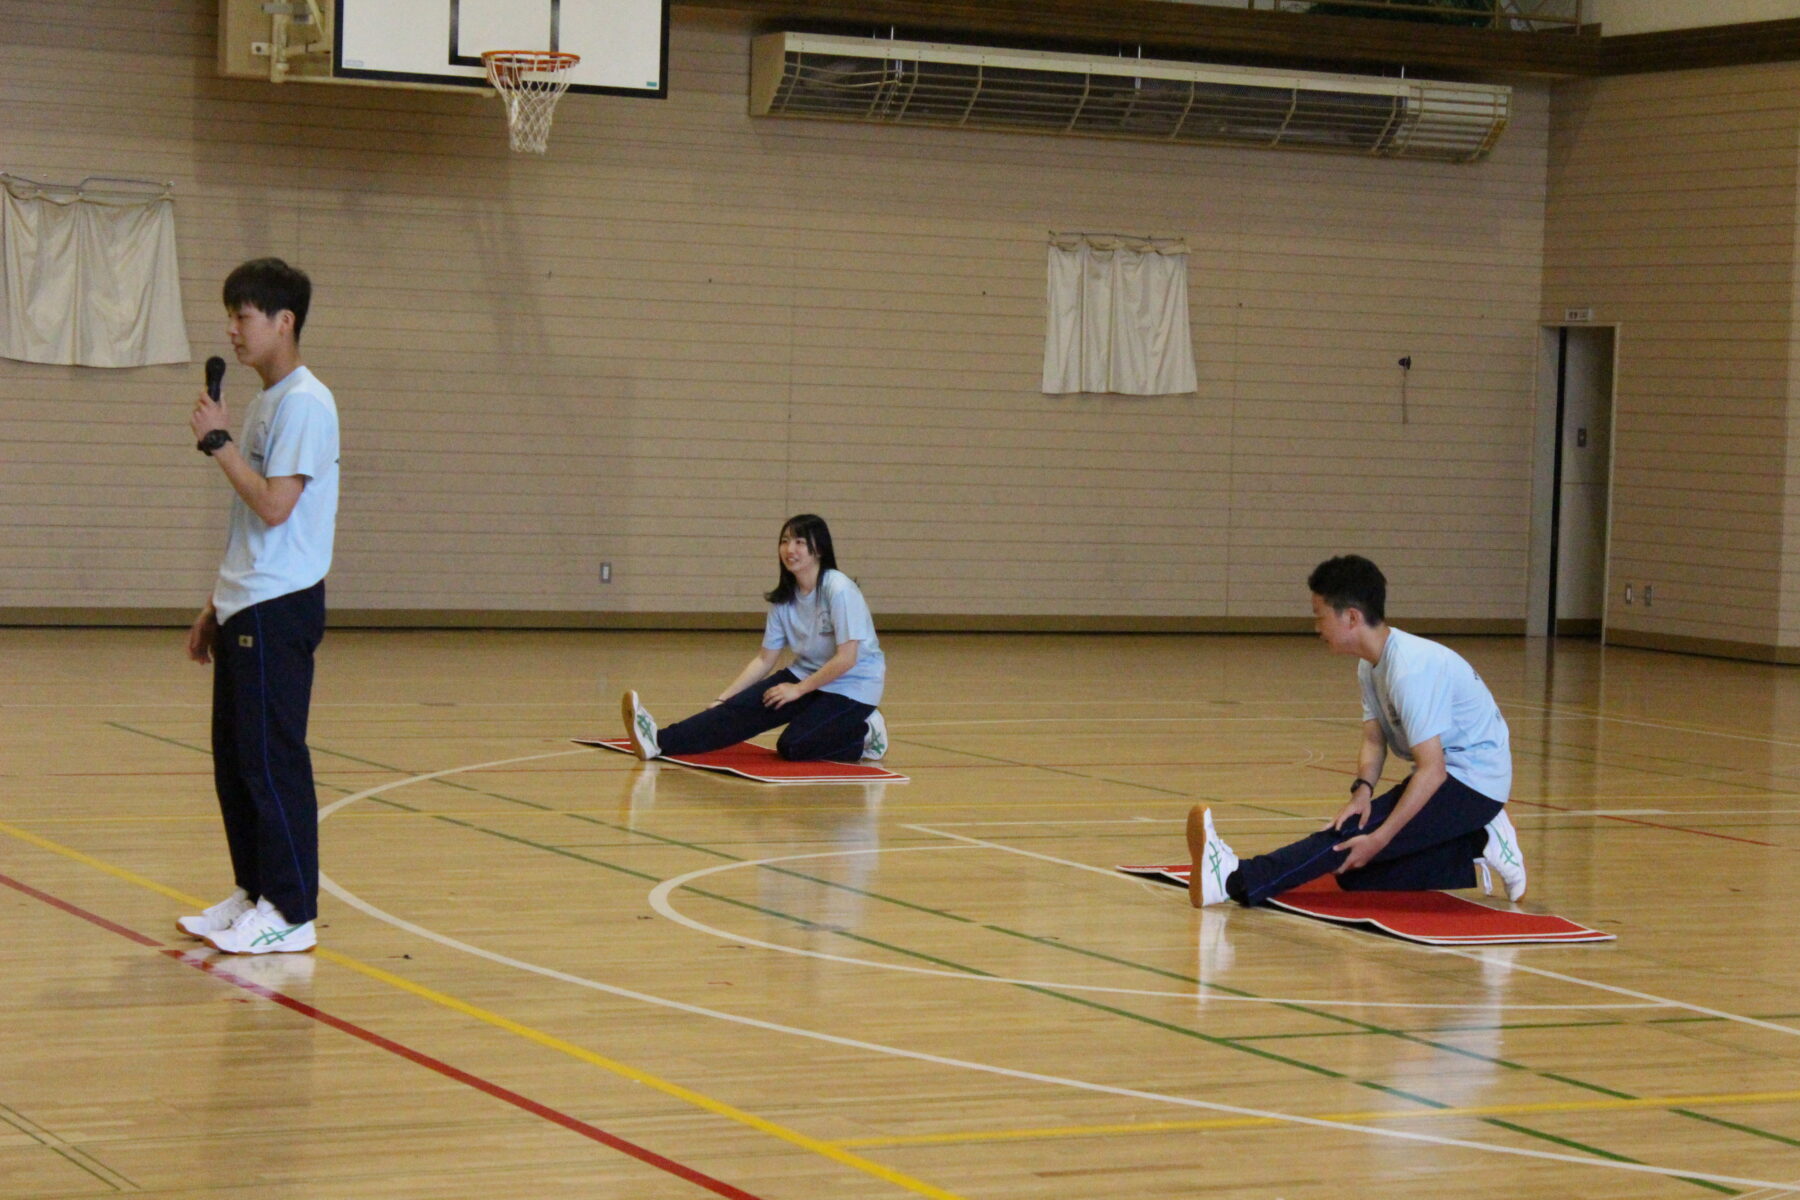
(1546, 477)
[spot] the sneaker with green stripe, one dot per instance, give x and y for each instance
(1503, 857)
(1212, 860)
(263, 930)
(640, 727)
(219, 917)
(875, 741)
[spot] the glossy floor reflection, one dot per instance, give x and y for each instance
(549, 970)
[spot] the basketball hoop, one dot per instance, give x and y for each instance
(531, 82)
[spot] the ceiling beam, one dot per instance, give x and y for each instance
(1161, 28)
(1687, 49)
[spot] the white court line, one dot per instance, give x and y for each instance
(1061, 862)
(659, 901)
(939, 1060)
(1091, 821)
(1269, 818)
(430, 775)
(1790, 1030)
(1335, 716)
(1666, 726)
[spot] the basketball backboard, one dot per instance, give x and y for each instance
(437, 44)
(623, 44)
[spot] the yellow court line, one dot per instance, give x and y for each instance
(611, 809)
(825, 1149)
(1486, 1110)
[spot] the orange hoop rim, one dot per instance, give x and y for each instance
(529, 60)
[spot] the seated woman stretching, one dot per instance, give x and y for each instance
(826, 697)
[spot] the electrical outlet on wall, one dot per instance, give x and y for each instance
(605, 572)
(1628, 593)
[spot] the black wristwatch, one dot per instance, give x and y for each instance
(1362, 783)
(214, 440)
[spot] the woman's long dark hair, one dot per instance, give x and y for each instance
(812, 530)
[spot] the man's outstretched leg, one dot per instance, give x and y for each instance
(1437, 849)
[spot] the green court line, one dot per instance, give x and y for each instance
(1053, 770)
(1211, 1039)
(1701, 769)
(1749, 1129)
(1073, 774)
(1366, 1028)
(1140, 1018)
(44, 1139)
(1441, 1030)
(1502, 1028)
(1082, 1001)
(157, 737)
(1592, 1087)
(644, 833)
(534, 806)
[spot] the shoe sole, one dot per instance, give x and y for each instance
(628, 710)
(258, 953)
(275, 949)
(1196, 843)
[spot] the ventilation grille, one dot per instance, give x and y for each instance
(917, 83)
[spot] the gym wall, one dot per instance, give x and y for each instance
(1672, 212)
(683, 324)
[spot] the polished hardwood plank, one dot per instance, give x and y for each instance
(931, 988)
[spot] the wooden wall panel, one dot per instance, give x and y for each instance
(1672, 211)
(684, 324)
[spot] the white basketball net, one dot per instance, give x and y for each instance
(531, 82)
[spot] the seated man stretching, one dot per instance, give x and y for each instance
(1429, 706)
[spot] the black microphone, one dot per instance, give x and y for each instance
(215, 375)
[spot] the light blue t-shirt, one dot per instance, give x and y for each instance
(812, 626)
(290, 429)
(1421, 690)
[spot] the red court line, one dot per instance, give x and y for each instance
(1725, 837)
(83, 913)
(221, 971)
(1655, 825)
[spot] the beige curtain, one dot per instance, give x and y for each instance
(90, 278)
(1117, 316)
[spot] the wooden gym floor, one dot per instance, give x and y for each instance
(548, 971)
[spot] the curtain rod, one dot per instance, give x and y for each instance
(160, 187)
(1136, 237)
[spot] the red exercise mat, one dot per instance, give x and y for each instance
(749, 761)
(1434, 918)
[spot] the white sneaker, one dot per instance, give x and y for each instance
(640, 727)
(875, 741)
(219, 917)
(1502, 855)
(1212, 860)
(263, 930)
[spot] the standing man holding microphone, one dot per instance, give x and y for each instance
(266, 614)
